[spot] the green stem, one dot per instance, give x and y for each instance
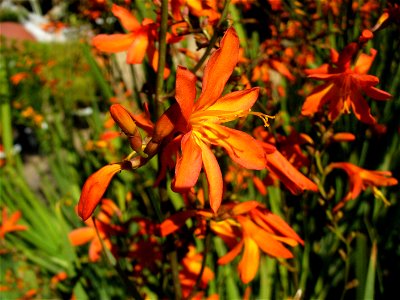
(173, 258)
(162, 49)
(5, 110)
(213, 39)
(131, 288)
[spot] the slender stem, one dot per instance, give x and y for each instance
(207, 245)
(173, 258)
(5, 111)
(213, 38)
(162, 49)
(131, 288)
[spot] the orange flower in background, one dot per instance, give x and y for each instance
(9, 223)
(191, 267)
(139, 39)
(197, 8)
(98, 231)
(17, 78)
(360, 179)
(247, 227)
(344, 86)
(200, 122)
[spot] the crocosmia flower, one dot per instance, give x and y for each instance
(360, 179)
(200, 122)
(344, 86)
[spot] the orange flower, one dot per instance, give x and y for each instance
(360, 179)
(191, 266)
(200, 122)
(98, 233)
(255, 226)
(197, 8)
(344, 85)
(139, 39)
(284, 166)
(16, 78)
(9, 223)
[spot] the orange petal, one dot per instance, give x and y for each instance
(281, 68)
(174, 222)
(228, 257)
(364, 62)
(113, 43)
(236, 101)
(295, 181)
(264, 239)
(127, 19)
(137, 50)
(376, 94)
(361, 108)
(248, 265)
(244, 207)
(95, 249)
(317, 99)
(94, 188)
(188, 167)
(343, 137)
(324, 76)
(185, 91)
(82, 235)
(214, 177)
(241, 147)
(218, 70)
(279, 225)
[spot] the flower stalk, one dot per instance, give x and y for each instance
(162, 49)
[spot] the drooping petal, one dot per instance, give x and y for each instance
(295, 181)
(361, 108)
(241, 147)
(82, 235)
(264, 240)
(228, 257)
(94, 188)
(317, 99)
(113, 43)
(185, 91)
(376, 93)
(281, 68)
(279, 225)
(248, 265)
(236, 101)
(137, 50)
(214, 177)
(126, 18)
(188, 166)
(174, 222)
(218, 70)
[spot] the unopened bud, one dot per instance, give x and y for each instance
(123, 119)
(128, 126)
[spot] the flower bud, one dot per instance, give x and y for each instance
(128, 126)
(123, 119)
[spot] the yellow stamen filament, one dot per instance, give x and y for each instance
(263, 117)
